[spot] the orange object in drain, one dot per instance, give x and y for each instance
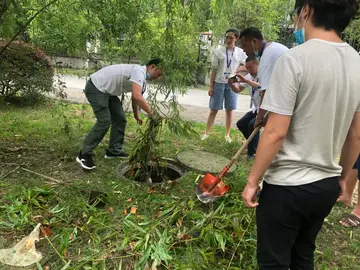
(211, 187)
(219, 190)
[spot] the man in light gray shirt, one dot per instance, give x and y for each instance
(102, 91)
(314, 102)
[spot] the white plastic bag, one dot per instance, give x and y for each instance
(23, 253)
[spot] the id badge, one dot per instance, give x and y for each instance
(227, 73)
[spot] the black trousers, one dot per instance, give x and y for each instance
(246, 126)
(289, 219)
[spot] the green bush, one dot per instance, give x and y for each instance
(25, 72)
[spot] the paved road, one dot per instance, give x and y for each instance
(195, 102)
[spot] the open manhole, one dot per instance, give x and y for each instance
(163, 171)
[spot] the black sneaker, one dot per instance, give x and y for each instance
(122, 154)
(86, 161)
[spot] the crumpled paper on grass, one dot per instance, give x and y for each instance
(23, 253)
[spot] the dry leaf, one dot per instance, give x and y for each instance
(184, 236)
(133, 210)
(125, 212)
(152, 190)
(111, 210)
(129, 200)
(47, 268)
(182, 190)
(158, 213)
(45, 231)
(71, 236)
(130, 246)
(179, 223)
(154, 266)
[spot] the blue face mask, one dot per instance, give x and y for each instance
(299, 34)
(147, 76)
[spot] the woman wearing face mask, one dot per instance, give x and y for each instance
(314, 102)
(225, 61)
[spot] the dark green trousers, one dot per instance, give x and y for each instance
(108, 112)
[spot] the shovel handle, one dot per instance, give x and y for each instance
(236, 156)
(246, 143)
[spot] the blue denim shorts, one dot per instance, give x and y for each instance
(223, 94)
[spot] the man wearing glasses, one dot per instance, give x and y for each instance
(314, 103)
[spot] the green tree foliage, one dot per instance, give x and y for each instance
(352, 34)
(120, 25)
(64, 28)
(269, 16)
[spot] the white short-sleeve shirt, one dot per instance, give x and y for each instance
(267, 62)
(219, 62)
(117, 79)
(254, 93)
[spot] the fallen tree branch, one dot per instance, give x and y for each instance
(6, 175)
(13, 164)
(53, 180)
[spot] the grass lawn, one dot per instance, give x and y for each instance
(164, 226)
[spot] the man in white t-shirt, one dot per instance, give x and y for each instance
(226, 61)
(314, 102)
(251, 82)
(102, 91)
(253, 43)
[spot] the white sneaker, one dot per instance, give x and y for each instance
(228, 139)
(204, 137)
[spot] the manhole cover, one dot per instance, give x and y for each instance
(204, 162)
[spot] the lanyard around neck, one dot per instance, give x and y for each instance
(143, 88)
(253, 89)
(262, 49)
(228, 63)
